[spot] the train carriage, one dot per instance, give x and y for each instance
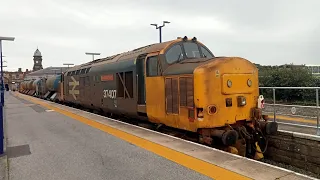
(53, 89)
(41, 89)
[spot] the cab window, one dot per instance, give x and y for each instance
(174, 54)
(152, 66)
(191, 49)
(206, 53)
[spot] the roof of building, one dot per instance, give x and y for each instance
(48, 71)
(37, 53)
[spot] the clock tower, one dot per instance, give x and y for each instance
(37, 60)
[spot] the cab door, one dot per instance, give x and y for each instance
(140, 83)
(155, 92)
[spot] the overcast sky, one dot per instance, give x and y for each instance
(265, 32)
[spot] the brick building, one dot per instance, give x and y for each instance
(13, 78)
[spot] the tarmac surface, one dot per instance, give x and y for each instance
(44, 144)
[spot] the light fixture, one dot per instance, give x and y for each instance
(229, 83)
(249, 82)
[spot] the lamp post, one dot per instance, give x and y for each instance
(2, 93)
(67, 64)
(160, 27)
(90, 53)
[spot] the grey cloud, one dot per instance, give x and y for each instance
(265, 32)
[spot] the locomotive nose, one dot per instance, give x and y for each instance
(235, 80)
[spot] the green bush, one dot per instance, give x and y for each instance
(288, 76)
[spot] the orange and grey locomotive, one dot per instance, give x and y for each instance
(179, 84)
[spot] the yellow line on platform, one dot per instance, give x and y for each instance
(193, 163)
(296, 119)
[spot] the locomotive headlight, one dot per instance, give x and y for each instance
(242, 101)
(229, 83)
(249, 82)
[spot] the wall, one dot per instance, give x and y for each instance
(295, 149)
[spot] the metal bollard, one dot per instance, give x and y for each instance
(1, 130)
(274, 104)
(317, 102)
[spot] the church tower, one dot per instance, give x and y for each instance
(37, 60)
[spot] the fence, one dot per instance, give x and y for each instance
(284, 105)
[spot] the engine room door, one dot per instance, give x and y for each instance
(140, 82)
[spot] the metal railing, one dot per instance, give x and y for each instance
(296, 88)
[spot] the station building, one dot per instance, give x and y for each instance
(14, 78)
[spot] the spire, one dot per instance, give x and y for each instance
(37, 52)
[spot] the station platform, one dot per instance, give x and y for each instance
(46, 140)
(304, 125)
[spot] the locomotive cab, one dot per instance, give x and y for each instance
(169, 83)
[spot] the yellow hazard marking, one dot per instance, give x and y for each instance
(296, 119)
(193, 163)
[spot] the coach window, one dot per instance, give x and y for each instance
(152, 66)
(174, 54)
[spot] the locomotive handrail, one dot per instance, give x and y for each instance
(296, 88)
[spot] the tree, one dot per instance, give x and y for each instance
(288, 76)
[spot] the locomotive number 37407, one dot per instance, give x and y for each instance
(112, 94)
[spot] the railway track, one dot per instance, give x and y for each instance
(272, 160)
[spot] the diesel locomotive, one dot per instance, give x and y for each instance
(179, 84)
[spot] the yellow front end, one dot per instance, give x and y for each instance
(225, 92)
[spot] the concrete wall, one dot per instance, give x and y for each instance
(295, 149)
(307, 112)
